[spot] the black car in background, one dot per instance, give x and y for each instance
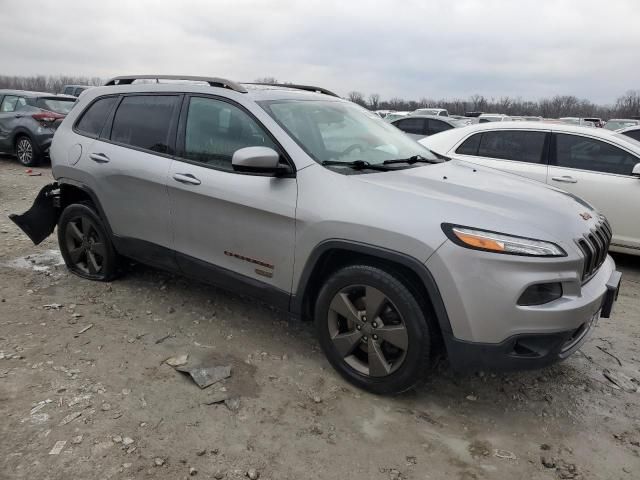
(28, 121)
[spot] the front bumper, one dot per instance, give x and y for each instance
(488, 329)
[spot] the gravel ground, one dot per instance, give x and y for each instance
(85, 392)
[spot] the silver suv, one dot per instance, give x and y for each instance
(316, 205)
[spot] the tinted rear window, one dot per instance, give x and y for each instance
(412, 125)
(57, 105)
(95, 116)
(144, 121)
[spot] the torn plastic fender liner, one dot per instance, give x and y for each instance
(39, 221)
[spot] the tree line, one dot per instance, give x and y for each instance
(627, 105)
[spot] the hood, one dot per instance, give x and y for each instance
(467, 194)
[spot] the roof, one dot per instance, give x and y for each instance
(29, 94)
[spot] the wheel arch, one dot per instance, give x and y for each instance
(72, 191)
(22, 132)
(331, 255)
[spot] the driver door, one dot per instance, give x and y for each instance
(230, 228)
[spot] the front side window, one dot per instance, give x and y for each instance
(144, 121)
(521, 146)
(8, 104)
(330, 130)
(412, 125)
(68, 91)
(94, 118)
(574, 151)
(215, 130)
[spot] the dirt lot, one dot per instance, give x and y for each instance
(123, 413)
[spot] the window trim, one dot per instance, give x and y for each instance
(77, 131)
(553, 154)
(181, 135)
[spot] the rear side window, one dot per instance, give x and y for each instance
(8, 104)
(573, 151)
(216, 129)
(470, 145)
(436, 126)
(412, 125)
(95, 116)
(513, 145)
(144, 121)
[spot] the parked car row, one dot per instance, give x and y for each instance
(598, 165)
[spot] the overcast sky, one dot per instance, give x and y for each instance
(408, 49)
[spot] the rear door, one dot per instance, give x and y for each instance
(521, 152)
(128, 166)
(230, 226)
(8, 121)
(600, 172)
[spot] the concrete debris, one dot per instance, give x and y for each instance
(53, 306)
(158, 461)
(77, 440)
(126, 441)
(105, 407)
(217, 397)
(207, 376)
(233, 404)
(177, 361)
(84, 329)
(70, 418)
(253, 474)
(193, 471)
(621, 381)
(116, 439)
(57, 448)
(506, 454)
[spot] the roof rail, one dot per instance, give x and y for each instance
(212, 81)
(308, 88)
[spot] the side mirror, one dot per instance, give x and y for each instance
(636, 170)
(263, 160)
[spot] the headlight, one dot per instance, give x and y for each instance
(501, 243)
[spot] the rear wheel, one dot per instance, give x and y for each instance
(373, 330)
(27, 152)
(85, 244)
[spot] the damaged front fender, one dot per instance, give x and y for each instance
(40, 220)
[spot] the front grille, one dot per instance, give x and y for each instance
(594, 246)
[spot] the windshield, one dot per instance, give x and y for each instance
(57, 105)
(618, 124)
(339, 131)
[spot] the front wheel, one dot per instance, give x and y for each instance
(85, 244)
(27, 152)
(373, 330)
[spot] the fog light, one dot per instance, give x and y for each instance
(540, 294)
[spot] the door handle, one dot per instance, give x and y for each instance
(19, 115)
(186, 178)
(565, 179)
(99, 157)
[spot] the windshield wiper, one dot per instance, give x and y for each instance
(414, 159)
(357, 165)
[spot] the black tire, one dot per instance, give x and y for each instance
(87, 249)
(28, 153)
(410, 366)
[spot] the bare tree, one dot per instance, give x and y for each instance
(374, 101)
(357, 97)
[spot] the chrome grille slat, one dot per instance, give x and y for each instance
(595, 246)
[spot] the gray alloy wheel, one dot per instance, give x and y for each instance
(86, 248)
(24, 151)
(367, 330)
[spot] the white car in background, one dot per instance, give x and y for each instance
(390, 117)
(493, 117)
(438, 112)
(620, 123)
(595, 164)
(632, 132)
